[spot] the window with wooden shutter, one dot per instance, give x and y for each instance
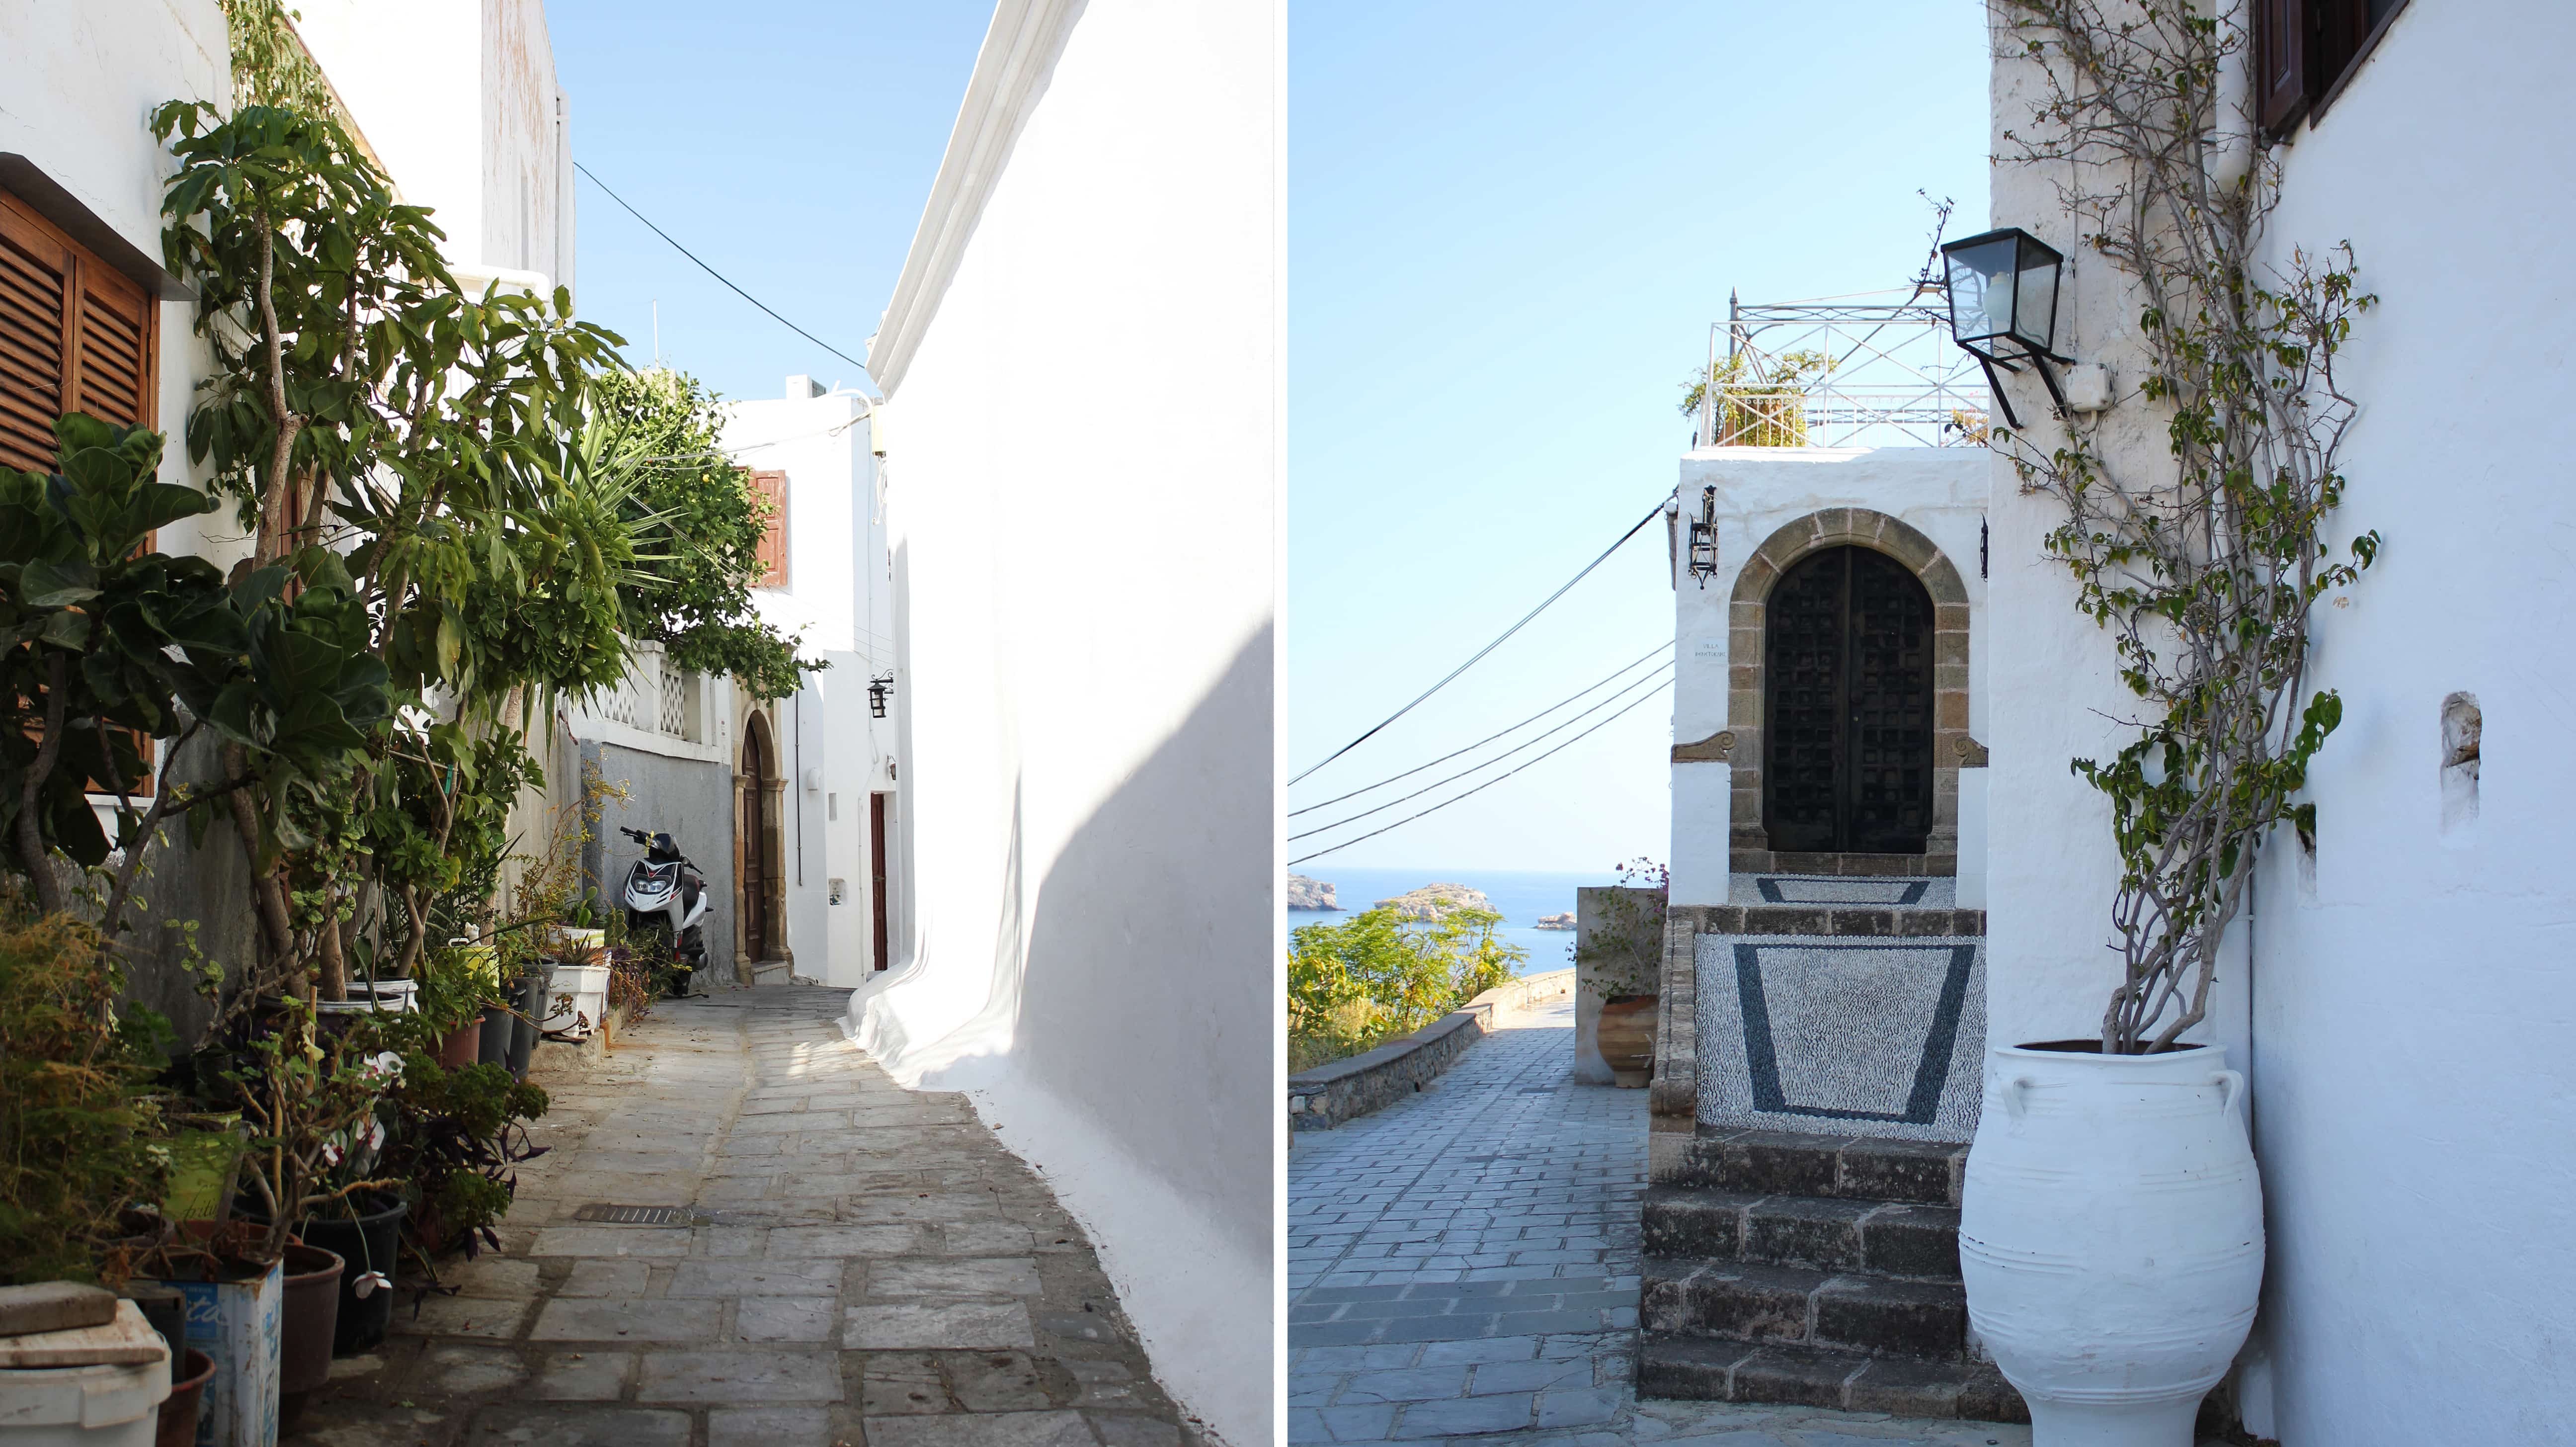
(2280, 63)
(769, 491)
(2307, 51)
(76, 335)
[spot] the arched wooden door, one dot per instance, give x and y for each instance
(756, 863)
(1847, 721)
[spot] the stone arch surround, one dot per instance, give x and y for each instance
(1748, 610)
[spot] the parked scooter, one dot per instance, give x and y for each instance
(666, 895)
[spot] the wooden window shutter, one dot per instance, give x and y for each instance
(36, 345)
(770, 490)
(2280, 63)
(76, 335)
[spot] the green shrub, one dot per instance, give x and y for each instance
(76, 1136)
(1355, 985)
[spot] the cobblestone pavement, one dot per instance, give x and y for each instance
(1464, 1265)
(857, 1262)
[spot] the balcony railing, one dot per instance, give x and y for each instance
(1843, 372)
(655, 697)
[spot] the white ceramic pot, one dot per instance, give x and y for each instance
(2111, 1238)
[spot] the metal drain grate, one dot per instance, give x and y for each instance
(633, 1215)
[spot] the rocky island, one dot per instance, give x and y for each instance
(1433, 900)
(1304, 893)
(1555, 921)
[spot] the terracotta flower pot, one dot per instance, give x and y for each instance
(1626, 1037)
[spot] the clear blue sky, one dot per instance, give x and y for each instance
(1509, 228)
(791, 144)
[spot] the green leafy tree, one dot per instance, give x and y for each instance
(698, 530)
(1379, 974)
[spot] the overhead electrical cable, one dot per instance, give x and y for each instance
(1486, 764)
(1487, 739)
(1480, 788)
(1651, 514)
(718, 275)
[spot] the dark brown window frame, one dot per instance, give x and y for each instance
(2316, 95)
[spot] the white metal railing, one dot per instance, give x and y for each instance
(1840, 373)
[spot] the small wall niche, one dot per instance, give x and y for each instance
(2462, 726)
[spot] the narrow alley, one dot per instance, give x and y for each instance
(1465, 1264)
(809, 1255)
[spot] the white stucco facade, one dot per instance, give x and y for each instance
(837, 601)
(2404, 1011)
(1938, 492)
(459, 100)
(1082, 439)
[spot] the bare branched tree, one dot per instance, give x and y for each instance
(2204, 568)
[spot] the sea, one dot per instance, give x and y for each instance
(1519, 896)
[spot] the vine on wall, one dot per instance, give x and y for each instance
(2204, 568)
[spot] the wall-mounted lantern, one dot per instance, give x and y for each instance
(878, 687)
(1703, 538)
(2003, 289)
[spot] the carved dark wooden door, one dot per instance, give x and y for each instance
(1847, 725)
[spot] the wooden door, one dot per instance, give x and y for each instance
(755, 847)
(1847, 728)
(877, 876)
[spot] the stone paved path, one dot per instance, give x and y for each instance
(1464, 1265)
(858, 1263)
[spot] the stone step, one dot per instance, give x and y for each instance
(1792, 1163)
(1709, 1370)
(1757, 1301)
(1888, 1238)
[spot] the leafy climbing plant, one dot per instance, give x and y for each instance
(2205, 570)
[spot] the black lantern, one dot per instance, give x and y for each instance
(2003, 289)
(1703, 538)
(877, 688)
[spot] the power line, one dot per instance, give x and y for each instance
(1489, 783)
(1487, 739)
(718, 275)
(1490, 647)
(1472, 768)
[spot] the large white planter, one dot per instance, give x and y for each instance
(576, 999)
(2111, 1238)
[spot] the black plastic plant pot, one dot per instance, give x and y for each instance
(494, 1046)
(531, 1005)
(366, 1234)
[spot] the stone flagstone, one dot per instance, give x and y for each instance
(855, 1263)
(1465, 1265)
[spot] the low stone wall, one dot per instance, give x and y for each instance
(1327, 1095)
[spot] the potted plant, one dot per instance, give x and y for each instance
(1619, 964)
(2111, 1226)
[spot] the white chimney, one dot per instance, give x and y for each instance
(801, 388)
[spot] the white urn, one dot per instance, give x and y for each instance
(2111, 1237)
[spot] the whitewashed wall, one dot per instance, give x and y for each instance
(1939, 491)
(2411, 1000)
(1082, 457)
(837, 601)
(459, 99)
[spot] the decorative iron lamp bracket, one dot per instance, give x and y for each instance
(1703, 538)
(2003, 291)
